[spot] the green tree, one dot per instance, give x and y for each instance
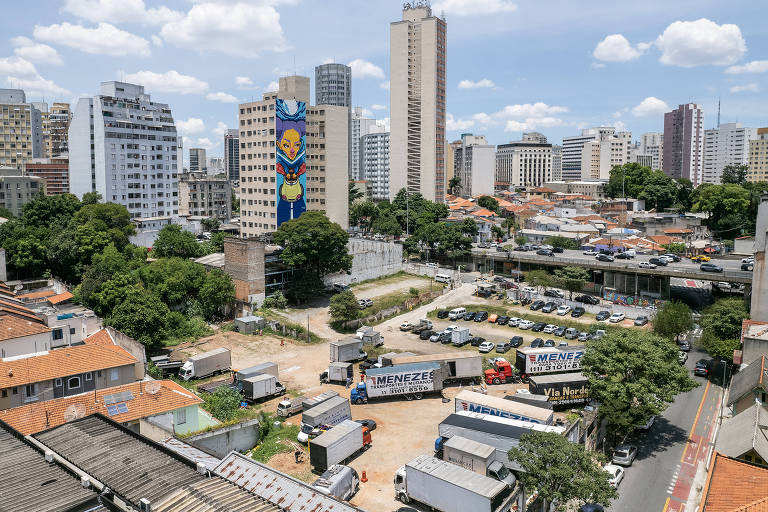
(223, 403)
(387, 225)
(343, 306)
(521, 240)
(353, 193)
(235, 203)
(509, 224)
(5, 213)
(562, 242)
(454, 185)
(172, 241)
(174, 280)
(314, 243)
(572, 279)
(735, 174)
(142, 316)
(489, 203)
(684, 193)
(112, 292)
(634, 180)
(50, 210)
(673, 319)
(721, 327)
(497, 232)
(210, 224)
(562, 472)
(718, 348)
(675, 247)
(634, 375)
(217, 295)
(659, 191)
(363, 214)
(276, 301)
(539, 278)
(728, 207)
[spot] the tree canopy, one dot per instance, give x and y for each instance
(571, 279)
(634, 180)
(562, 242)
(343, 306)
(736, 174)
(173, 241)
(728, 207)
(721, 327)
(489, 202)
(673, 319)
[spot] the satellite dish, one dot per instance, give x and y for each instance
(74, 412)
(152, 387)
(18, 287)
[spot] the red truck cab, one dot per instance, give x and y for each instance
(501, 372)
(366, 437)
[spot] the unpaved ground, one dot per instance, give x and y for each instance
(386, 286)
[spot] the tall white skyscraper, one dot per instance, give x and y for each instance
(374, 163)
(360, 126)
(232, 155)
(651, 145)
(726, 145)
(124, 146)
(417, 102)
(599, 156)
(573, 147)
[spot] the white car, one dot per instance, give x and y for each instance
(406, 326)
(513, 322)
(486, 347)
(748, 259)
(529, 289)
(549, 328)
(564, 310)
(525, 324)
(451, 328)
(615, 474)
(616, 318)
(669, 260)
(431, 265)
(645, 264)
(590, 252)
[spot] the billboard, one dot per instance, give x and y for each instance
(291, 154)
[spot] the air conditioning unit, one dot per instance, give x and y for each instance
(85, 482)
(49, 456)
(201, 468)
(145, 505)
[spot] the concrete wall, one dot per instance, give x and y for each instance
(759, 307)
(244, 262)
(752, 347)
(370, 259)
(220, 442)
(133, 347)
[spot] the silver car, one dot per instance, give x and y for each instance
(624, 454)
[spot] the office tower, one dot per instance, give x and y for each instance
(21, 129)
(651, 145)
(417, 102)
(55, 172)
(449, 149)
(263, 205)
(557, 162)
(197, 160)
(333, 85)
(726, 145)
(572, 150)
(359, 127)
(758, 157)
(536, 137)
(599, 156)
(215, 165)
(124, 146)
(232, 155)
(526, 163)
(203, 195)
(683, 143)
(374, 164)
(474, 162)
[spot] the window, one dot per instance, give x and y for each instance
(89, 376)
(15, 391)
(58, 334)
(73, 382)
(57, 383)
(30, 391)
(114, 374)
(5, 393)
(181, 416)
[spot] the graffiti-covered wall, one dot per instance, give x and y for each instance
(291, 167)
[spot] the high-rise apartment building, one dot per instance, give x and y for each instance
(124, 146)
(684, 143)
(650, 153)
(536, 137)
(450, 147)
(572, 150)
(758, 157)
(333, 85)
(326, 150)
(417, 102)
(58, 130)
(203, 195)
(557, 162)
(474, 164)
(197, 160)
(599, 156)
(527, 163)
(359, 127)
(232, 155)
(726, 145)
(17, 189)
(21, 129)
(55, 172)
(374, 164)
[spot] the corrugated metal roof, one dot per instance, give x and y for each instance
(469, 446)
(290, 494)
(337, 432)
(457, 475)
(188, 451)
(213, 495)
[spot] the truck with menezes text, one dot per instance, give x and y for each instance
(409, 380)
(533, 361)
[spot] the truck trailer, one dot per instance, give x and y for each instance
(447, 487)
(458, 365)
(318, 399)
(408, 380)
(478, 457)
(206, 364)
(532, 361)
(477, 402)
(337, 373)
(347, 351)
(261, 387)
(338, 444)
(259, 369)
(564, 389)
(331, 412)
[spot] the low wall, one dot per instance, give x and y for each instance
(219, 442)
(370, 259)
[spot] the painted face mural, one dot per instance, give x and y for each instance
(290, 165)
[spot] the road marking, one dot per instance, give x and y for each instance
(666, 505)
(695, 421)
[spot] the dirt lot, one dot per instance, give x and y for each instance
(385, 286)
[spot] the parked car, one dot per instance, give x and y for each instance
(601, 316)
(557, 250)
(537, 343)
(536, 305)
(485, 347)
(525, 324)
(445, 337)
(492, 318)
(710, 267)
(368, 423)
(615, 474)
(571, 333)
(577, 312)
(548, 307)
(549, 328)
(513, 321)
(406, 326)
(502, 320)
(469, 316)
(560, 331)
(503, 347)
(675, 257)
(666, 258)
(616, 318)
(545, 252)
(554, 293)
(562, 343)
(584, 336)
(748, 266)
(516, 341)
(481, 316)
(659, 262)
(426, 334)
(563, 310)
(604, 257)
(529, 289)
(748, 259)
(590, 252)
(587, 299)
(682, 357)
(641, 321)
(702, 368)
(623, 256)
(646, 264)
(538, 327)
(684, 345)
(700, 258)
(624, 454)
(435, 337)
(443, 313)
(476, 341)
(549, 343)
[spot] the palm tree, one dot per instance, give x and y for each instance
(453, 184)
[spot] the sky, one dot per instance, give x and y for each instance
(553, 66)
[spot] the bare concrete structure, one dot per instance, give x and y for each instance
(759, 309)
(244, 263)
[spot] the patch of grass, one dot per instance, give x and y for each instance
(394, 276)
(381, 303)
(375, 352)
(275, 441)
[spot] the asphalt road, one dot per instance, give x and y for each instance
(661, 477)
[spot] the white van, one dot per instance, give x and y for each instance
(442, 278)
(457, 314)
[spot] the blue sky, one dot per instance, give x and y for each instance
(554, 66)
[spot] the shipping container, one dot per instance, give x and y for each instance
(259, 369)
(318, 399)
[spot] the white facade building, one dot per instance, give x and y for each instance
(727, 145)
(124, 146)
(374, 163)
(474, 164)
(599, 156)
(359, 127)
(573, 147)
(524, 163)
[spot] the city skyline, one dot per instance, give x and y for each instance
(511, 67)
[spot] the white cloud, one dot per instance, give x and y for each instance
(272, 86)
(598, 65)
(538, 109)
(616, 48)
(170, 81)
(191, 126)
(700, 43)
(650, 106)
(120, 11)
(745, 88)
(453, 125)
(473, 7)
(157, 40)
(469, 84)
(532, 123)
(22, 74)
(244, 82)
(515, 118)
(756, 66)
(364, 69)
(36, 52)
(105, 39)
(240, 29)
(223, 97)
(384, 85)
(376, 106)
(620, 126)
(221, 129)
(384, 123)
(367, 113)
(206, 143)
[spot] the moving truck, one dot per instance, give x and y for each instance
(562, 389)
(372, 338)
(530, 361)
(460, 335)
(346, 351)
(261, 387)
(331, 412)
(318, 399)
(337, 373)
(477, 402)
(338, 444)
(206, 364)
(290, 406)
(478, 457)
(338, 481)
(447, 487)
(259, 369)
(408, 380)
(458, 365)
(423, 324)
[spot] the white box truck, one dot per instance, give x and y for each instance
(478, 457)
(318, 399)
(259, 369)
(290, 406)
(338, 444)
(206, 364)
(331, 412)
(338, 481)
(261, 387)
(449, 488)
(408, 380)
(347, 351)
(337, 373)
(477, 402)
(459, 366)
(460, 336)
